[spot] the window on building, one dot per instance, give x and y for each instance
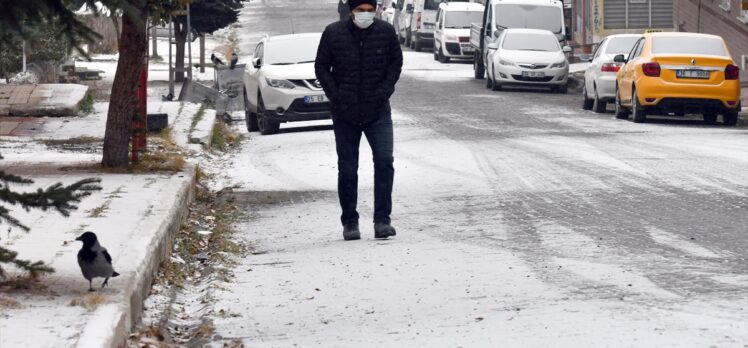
(725, 5)
(638, 14)
(744, 16)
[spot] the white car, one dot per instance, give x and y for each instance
(452, 35)
(529, 57)
(600, 77)
(280, 85)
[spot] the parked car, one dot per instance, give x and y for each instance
(423, 23)
(678, 73)
(600, 77)
(280, 84)
(452, 35)
(529, 57)
(510, 14)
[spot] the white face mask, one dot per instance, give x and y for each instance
(363, 19)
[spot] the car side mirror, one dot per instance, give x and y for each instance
(567, 49)
(257, 62)
(493, 46)
(620, 59)
(409, 8)
(394, 5)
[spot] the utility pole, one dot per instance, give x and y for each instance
(23, 48)
(171, 67)
(189, 43)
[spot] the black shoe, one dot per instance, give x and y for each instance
(351, 232)
(383, 230)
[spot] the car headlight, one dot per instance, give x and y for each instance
(503, 61)
(451, 37)
(561, 64)
(280, 83)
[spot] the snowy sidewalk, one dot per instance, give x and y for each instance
(135, 217)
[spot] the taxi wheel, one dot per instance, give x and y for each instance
(710, 118)
(621, 112)
(731, 117)
(637, 111)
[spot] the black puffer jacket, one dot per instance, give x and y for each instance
(358, 69)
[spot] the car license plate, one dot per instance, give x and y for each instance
(533, 74)
(315, 99)
(467, 49)
(692, 74)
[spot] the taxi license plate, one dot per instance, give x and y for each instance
(315, 99)
(692, 74)
(533, 74)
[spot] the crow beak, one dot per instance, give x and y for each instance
(79, 239)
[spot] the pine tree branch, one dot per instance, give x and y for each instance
(34, 269)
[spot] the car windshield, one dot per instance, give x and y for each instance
(462, 19)
(529, 17)
(291, 50)
(688, 45)
(621, 45)
(530, 42)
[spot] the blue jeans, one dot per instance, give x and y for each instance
(347, 141)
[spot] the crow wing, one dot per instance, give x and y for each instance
(107, 257)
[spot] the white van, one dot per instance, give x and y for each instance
(423, 23)
(452, 35)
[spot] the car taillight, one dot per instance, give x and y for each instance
(610, 67)
(732, 72)
(651, 69)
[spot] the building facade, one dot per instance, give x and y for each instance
(727, 18)
(593, 20)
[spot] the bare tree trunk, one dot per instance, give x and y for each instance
(123, 106)
(180, 36)
(154, 36)
(115, 21)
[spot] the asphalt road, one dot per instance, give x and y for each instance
(635, 224)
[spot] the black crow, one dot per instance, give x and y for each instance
(234, 60)
(216, 61)
(94, 260)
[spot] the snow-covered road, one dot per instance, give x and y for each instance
(522, 220)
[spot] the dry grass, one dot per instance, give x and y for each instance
(223, 136)
(90, 302)
(72, 141)
(8, 303)
(160, 161)
(99, 211)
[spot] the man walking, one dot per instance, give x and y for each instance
(358, 63)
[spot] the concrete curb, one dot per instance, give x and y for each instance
(203, 132)
(110, 326)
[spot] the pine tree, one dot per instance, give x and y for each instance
(58, 197)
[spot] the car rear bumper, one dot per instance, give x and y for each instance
(689, 106)
(652, 91)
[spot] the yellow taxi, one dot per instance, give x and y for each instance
(678, 73)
